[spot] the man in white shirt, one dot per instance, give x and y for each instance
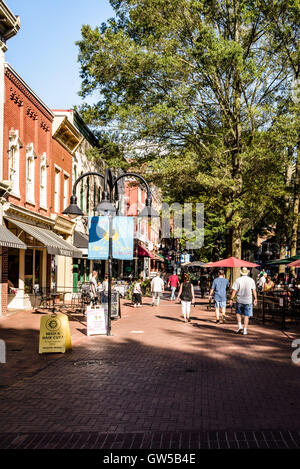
(157, 288)
(245, 289)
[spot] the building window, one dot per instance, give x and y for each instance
(30, 169)
(43, 181)
(57, 191)
(66, 191)
(14, 161)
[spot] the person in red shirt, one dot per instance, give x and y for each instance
(173, 282)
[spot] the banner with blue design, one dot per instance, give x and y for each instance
(122, 240)
(98, 237)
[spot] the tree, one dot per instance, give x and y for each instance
(283, 18)
(196, 82)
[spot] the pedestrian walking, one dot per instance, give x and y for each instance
(137, 293)
(173, 283)
(187, 296)
(203, 283)
(105, 284)
(245, 290)
(219, 290)
(157, 288)
(93, 287)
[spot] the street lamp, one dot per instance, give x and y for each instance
(109, 197)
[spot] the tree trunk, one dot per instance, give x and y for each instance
(282, 255)
(295, 219)
(236, 250)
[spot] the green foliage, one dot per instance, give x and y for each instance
(197, 93)
(145, 287)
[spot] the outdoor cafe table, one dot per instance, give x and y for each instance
(56, 294)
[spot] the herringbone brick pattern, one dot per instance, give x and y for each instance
(156, 380)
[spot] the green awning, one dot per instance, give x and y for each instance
(285, 260)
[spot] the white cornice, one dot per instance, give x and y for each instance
(14, 211)
(10, 24)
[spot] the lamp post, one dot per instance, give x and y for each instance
(109, 197)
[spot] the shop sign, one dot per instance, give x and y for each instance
(55, 334)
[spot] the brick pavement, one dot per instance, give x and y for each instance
(156, 382)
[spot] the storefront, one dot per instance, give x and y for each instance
(38, 264)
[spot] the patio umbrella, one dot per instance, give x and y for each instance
(231, 262)
(294, 263)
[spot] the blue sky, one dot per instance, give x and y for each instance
(43, 52)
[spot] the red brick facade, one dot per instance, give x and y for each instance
(25, 113)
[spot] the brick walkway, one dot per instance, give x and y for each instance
(155, 383)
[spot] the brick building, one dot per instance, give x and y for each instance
(9, 27)
(146, 235)
(38, 169)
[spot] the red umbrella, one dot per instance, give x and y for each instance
(231, 262)
(294, 263)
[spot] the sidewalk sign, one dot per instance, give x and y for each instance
(115, 303)
(55, 336)
(96, 320)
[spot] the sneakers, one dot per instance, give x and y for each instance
(240, 330)
(134, 305)
(223, 319)
(245, 332)
(217, 321)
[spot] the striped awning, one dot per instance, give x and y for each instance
(81, 240)
(54, 243)
(9, 240)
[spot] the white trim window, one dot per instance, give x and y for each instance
(30, 170)
(43, 181)
(14, 161)
(57, 190)
(66, 190)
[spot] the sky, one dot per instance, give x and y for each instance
(44, 53)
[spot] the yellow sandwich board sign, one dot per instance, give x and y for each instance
(55, 334)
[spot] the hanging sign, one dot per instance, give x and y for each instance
(55, 334)
(98, 237)
(123, 238)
